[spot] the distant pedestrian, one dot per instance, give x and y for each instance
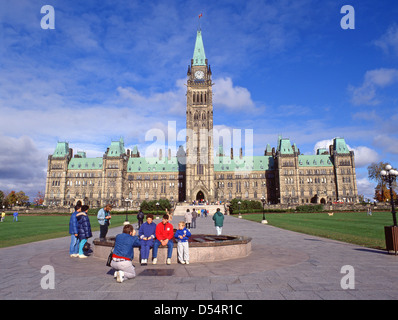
(3, 215)
(15, 216)
(140, 218)
(73, 231)
(369, 213)
(218, 218)
(194, 216)
(188, 219)
(84, 229)
(104, 217)
(182, 235)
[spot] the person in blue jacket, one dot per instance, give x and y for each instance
(83, 229)
(147, 236)
(182, 235)
(74, 241)
(123, 254)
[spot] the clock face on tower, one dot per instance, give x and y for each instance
(199, 74)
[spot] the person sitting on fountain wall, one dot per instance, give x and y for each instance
(147, 236)
(164, 235)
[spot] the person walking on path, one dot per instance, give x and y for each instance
(194, 216)
(103, 217)
(188, 219)
(83, 229)
(147, 236)
(164, 236)
(15, 216)
(3, 215)
(140, 218)
(123, 254)
(218, 218)
(73, 231)
(182, 235)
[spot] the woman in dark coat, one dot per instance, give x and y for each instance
(84, 229)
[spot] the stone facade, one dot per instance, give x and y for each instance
(124, 178)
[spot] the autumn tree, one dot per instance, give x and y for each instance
(382, 194)
(39, 199)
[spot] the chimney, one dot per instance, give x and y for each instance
(160, 154)
(169, 156)
(240, 153)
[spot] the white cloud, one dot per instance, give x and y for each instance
(231, 97)
(366, 188)
(373, 80)
(22, 165)
(363, 155)
(389, 41)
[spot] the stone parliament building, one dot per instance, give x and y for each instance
(124, 178)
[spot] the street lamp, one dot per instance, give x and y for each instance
(157, 210)
(263, 202)
(127, 204)
(389, 175)
(391, 232)
(240, 216)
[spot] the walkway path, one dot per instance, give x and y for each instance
(282, 265)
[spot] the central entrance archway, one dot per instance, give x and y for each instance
(200, 196)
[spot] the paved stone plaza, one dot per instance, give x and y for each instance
(282, 265)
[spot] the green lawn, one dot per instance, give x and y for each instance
(31, 228)
(352, 227)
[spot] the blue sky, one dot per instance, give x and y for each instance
(117, 68)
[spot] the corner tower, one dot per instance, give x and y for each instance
(199, 156)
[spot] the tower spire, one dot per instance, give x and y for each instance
(199, 56)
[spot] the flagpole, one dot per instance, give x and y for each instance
(200, 16)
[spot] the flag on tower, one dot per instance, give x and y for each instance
(200, 16)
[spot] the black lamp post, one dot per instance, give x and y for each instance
(157, 210)
(240, 216)
(391, 232)
(263, 202)
(389, 175)
(127, 208)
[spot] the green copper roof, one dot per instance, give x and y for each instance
(116, 148)
(199, 56)
(61, 150)
(85, 163)
(340, 146)
(285, 147)
(324, 160)
(254, 163)
(146, 165)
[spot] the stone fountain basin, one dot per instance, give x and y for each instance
(202, 248)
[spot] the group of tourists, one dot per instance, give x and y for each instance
(150, 235)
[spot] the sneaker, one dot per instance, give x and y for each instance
(187, 262)
(115, 274)
(168, 261)
(154, 260)
(82, 256)
(144, 262)
(74, 255)
(182, 261)
(120, 276)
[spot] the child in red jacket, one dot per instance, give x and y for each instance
(164, 236)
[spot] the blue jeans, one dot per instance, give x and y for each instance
(156, 245)
(74, 245)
